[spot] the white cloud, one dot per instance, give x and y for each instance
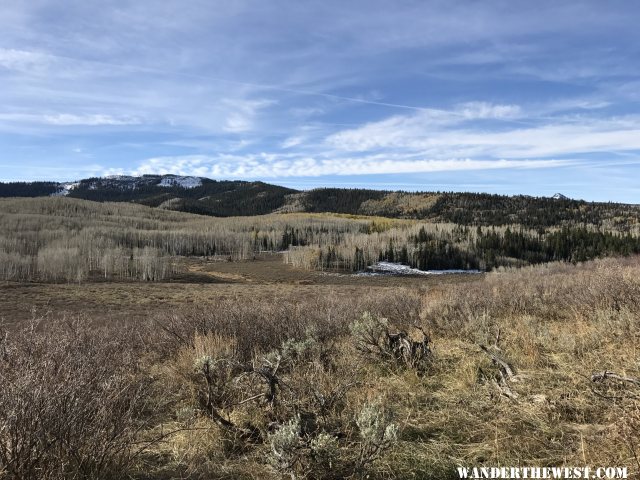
(23, 60)
(484, 110)
(70, 119)
(445, 135)
(415, 130)
(292, 142)
(268, 165)
(66, 119)
(236, 123)
(242, 113)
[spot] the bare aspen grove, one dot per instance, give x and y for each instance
(258, 351)
(62, 239)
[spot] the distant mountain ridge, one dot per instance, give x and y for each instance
(174, 192)
(242, 198)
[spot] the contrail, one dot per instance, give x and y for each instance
(296, 91)
(246, 84)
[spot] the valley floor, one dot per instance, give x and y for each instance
(203, 282)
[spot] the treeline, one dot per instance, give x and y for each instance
(339, 200)
(28, 189)
(448, 246)
(473, 209)
(65, 239)
(572, 244)
(532, 212)
(74, 264)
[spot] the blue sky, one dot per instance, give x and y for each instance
(494, 96)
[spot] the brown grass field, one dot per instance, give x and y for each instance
(203, 281)
(258, 370)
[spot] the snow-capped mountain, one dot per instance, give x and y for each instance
(128, 182)
(176, 192)
(184, 182)
(559, 196)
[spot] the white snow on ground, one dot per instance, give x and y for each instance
(65, 188)
(120, 177)
(184, 182)
(388, 268)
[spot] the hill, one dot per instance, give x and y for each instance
(240, 198)
(170, 192)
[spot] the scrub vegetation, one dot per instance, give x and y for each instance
(532, 366)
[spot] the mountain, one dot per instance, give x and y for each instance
(173, 192)
(240, 198)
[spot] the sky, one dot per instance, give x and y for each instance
(509, 97)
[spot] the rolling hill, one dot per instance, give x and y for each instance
(224, 198)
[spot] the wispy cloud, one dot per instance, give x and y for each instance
(64, 119)
(23, 60)
(292, 142)
(277, 165)
(329, 88)
(242, 114)
(69, 119)
(443, 135)
(484, 110)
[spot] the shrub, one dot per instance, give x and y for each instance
(71, 404)
(377, 433)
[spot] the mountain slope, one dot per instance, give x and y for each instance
(187, 194)
(240, 198)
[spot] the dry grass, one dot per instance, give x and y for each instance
(207, 281)
(554, 325)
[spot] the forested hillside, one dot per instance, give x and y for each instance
(28, 189)
(239, 198)
(469, 208)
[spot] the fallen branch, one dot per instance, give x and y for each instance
(500, 383)
(505, 368)
(505, 388)
(506, 373)
(207, 402)
(601, 376)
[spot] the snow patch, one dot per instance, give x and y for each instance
(65, 188)
(121, 177)
(389, 268)
(184, 182)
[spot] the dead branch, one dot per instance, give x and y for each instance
(273, 382)
(4, 341)
(406, 350)
(505, 372)
(505, 389)
(602, 376)
(504, 367)
(208, 404)
(496, 343)
(500, 384)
